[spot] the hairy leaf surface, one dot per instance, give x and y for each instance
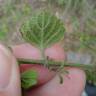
(43, 29)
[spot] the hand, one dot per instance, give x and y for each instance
(73, 84)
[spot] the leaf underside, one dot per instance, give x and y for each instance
(28, 78)
(43, 29)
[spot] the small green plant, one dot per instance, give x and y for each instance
(42, 31)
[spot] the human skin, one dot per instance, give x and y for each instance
(48, 82)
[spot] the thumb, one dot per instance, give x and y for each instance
(9, 74)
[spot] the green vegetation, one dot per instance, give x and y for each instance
(11, 15)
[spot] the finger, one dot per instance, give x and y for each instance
(9, 74)
(30, 52)
(27, 51)
(73, 85)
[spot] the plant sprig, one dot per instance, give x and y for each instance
(89, 69)
(43, 30)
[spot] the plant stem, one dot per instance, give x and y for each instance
(44, 58)
(54, 63)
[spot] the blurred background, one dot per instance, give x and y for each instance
(79, 17)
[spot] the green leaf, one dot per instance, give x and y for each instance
(28, 79)
(43, 29)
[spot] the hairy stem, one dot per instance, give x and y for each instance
(54, 63)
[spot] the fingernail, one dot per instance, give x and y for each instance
(5, 67)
